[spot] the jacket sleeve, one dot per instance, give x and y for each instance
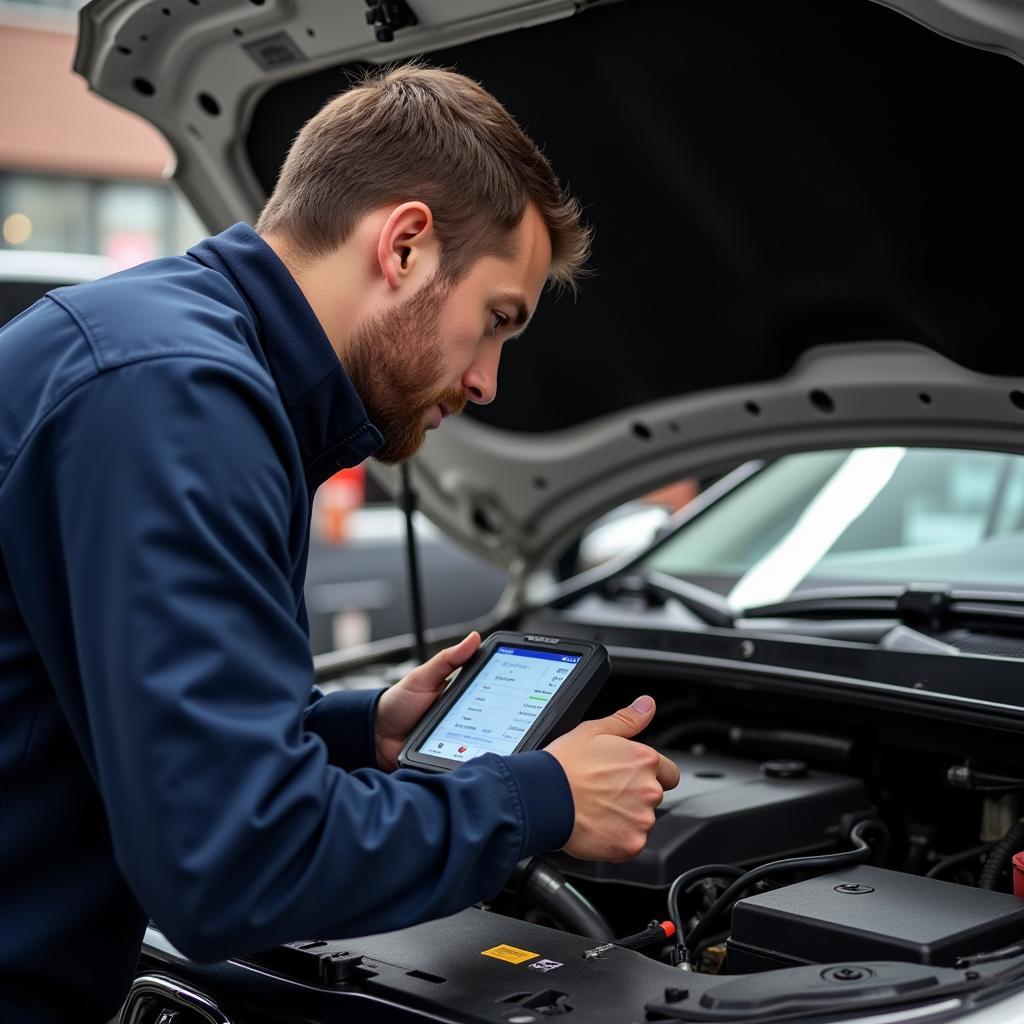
(344, 720)
(228, 821)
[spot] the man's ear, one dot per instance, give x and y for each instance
(408, 251)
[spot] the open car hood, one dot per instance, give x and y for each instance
(808, 220)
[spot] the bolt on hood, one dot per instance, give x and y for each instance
(774, 187)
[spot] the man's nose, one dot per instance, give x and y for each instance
(480, 382)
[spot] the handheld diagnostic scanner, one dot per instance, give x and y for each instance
(518, 692)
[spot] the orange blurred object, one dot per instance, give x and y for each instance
(335, 500)
(676, 495)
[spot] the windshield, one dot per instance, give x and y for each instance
(859, 517)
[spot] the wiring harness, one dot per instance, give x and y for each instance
(685, 953)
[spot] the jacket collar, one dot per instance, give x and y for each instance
(327, 415)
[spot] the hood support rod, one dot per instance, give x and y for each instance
(408, 502)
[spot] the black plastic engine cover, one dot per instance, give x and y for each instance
(474, 967)
(871, 914)
(482, 968)
(726, 808)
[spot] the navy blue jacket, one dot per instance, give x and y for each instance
(163, 752)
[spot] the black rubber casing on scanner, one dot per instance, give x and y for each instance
(564, 711)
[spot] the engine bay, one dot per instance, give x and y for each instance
(776, 791)
(816, 854)
(782, 815)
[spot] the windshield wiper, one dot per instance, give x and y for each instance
(658, 587)
(934, 606)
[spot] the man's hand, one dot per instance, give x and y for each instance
(616, 783)
(405, 703)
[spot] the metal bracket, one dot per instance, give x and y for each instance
(151, 993)
(387, 17)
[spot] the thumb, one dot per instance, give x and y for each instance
(432, 674)
(629, 721)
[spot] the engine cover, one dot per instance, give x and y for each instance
(736, 811)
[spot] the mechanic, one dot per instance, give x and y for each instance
(163, 752)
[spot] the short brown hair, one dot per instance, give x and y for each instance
(413, 132)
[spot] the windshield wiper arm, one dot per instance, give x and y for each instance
(933, 605)
(659, 586)
(852, 601)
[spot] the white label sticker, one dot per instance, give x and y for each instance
(546, 965)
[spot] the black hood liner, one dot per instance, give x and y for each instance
(762, 177)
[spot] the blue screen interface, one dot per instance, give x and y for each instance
(502, 702)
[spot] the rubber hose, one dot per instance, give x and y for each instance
(1000, 855)
(956, 859)
(686, 879)
(833, 752)
(825, 862)
(685, 732)
(548, 890)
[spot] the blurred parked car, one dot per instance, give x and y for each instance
(807, 289)
(357, 589)
(28, 276)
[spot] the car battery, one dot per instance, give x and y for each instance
(868, 913)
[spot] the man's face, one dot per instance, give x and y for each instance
(426, 357)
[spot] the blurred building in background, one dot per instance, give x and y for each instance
(77, 174)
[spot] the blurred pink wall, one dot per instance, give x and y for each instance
(49, 121)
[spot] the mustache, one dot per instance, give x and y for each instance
(453, 401)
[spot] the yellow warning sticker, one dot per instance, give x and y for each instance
(510, 954)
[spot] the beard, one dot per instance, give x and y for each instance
(394, 361)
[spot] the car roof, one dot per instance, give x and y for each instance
(56, 267)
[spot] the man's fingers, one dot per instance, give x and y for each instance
(626, 722)
(455, 657)
(668, 773)
(432, 674)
